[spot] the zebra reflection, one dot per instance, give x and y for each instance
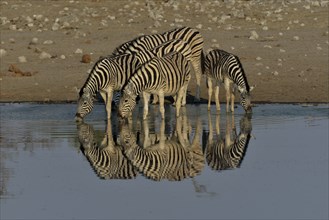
(227, 152)
(107, 159)
(172, 158)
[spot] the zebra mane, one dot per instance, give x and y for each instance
(81, 92)
(243, 73)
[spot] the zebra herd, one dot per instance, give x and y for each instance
(159, 64)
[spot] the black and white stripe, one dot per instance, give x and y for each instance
(221, 66)
(228, 153)
(111, 73)
(162, 76)
(169, 158)
(191, 36)
(106, 159)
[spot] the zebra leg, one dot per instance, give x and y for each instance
(155, 99)
(227, 85)
(107, 97)
(196, 63)
(210, 136)
(109, 103)
(209, 85)
(232, 98)
(184, 96)
(161, 103)
(217, 98)
(181, 92)
(146, 99)
(146, 129)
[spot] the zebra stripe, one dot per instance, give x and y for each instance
(191, 36)
(163, 76)
(111, 73)
(221, 66)
(107, 160)
(108, 74)
(168, 159)
(226, 154)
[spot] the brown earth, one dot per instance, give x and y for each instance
(288, 62)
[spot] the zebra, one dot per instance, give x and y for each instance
(192, 36)
(111, 73)
(107, 159)
(223, 67)
(167, 159)
(228, 153)
(163, 76)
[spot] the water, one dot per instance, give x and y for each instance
(282, 172)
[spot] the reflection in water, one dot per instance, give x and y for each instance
(169, 154)
(174, 157)
(107, 159)
(227, 152)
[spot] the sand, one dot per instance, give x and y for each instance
(282, 44)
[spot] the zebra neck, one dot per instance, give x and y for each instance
(140, 83)
(92, 85)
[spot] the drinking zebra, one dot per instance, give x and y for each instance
(107, 159)
(223, 67)
(163, 76)
(169, 158)
(228, 153)
(191, 36)
(111, 73)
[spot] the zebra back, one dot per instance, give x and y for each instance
(147, 42)
(219, 64)
(168, 47)
(110, 71)
(170, 73)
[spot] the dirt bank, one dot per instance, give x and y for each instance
(283, 45)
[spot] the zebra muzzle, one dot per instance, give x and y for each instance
(78, 117)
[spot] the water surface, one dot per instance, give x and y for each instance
(281, 173)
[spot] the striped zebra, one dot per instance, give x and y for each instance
(111, 73)
(223, 67)
(168, 159)
(147, 42)
(107, 159)
(228, 153)
(163, 76)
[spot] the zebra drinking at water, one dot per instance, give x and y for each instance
(221, 66)
(191, 36)
(163, 76)
(111, 73)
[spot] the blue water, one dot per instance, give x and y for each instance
(283, 173)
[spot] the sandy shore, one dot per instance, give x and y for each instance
(283, 45)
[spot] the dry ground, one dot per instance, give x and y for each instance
(288, 61)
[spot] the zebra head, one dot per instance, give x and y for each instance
(85, 105)
(127, 137)
(127, 103)
(86, 136)
(245, 101)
